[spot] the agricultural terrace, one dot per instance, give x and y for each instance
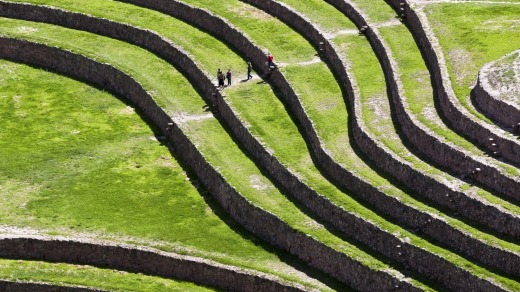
(378, 152)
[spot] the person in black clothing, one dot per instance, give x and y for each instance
(228, 76)
(249, 67)
(220, 78)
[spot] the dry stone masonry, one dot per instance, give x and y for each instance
(497, 92)
(260, 222)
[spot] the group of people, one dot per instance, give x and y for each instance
(221, 77)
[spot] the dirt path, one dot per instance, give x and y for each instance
(315, 60)
(182, 117)
(393, 22)
(330, 36)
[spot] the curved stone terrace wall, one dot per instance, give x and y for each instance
(489, 101)
(418, 181)
(349, 224)
(457, 119)
(316, 204)
(442, 154)
(11, 286)
(436, 228)
(262, 223)
(300, 24)
(459, 163)
(139, 260)
(421, 183)
(488, 215)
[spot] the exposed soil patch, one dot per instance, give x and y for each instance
(257, 182)
(27, 29)
(127, 111)
(313, 225)
(17, 101)
(461, 60)
(249, 11)
(305, 63)
(327, 104)
(165, 161)
(184, 117)
(382, 121)
(332, 35)
(16, 193)
(393, 22)
(499, 25)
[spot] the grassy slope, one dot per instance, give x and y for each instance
(88, 276)
(222, 145)
(376, 116)
(323, 102)
(73, 182)
(472, 35)
(414, 74)
(324, 16)
(296, 69)
(273, 127)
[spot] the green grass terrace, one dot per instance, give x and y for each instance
(82, 163)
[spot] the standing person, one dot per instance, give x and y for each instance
(228, 76)
(220, 78)
(249, 68)
(270, 59)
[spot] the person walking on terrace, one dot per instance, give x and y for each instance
(228, 76)
(249, 68)
(271, 66)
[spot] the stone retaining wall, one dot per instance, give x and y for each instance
(348, 223)
(488, 215)
(227, 109)
(262, 223)
(9, 286)
(484, 214)
(494, 108)
(428, 224)
(139, 261)
(448, 157)
(423, 184)
(430, 265)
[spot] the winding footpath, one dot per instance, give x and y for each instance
(260, 222)
(263, 224)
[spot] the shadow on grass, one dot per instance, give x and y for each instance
(284, 256)
(441, 113)
(210, 201)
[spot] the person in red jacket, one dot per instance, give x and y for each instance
(270, 59)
